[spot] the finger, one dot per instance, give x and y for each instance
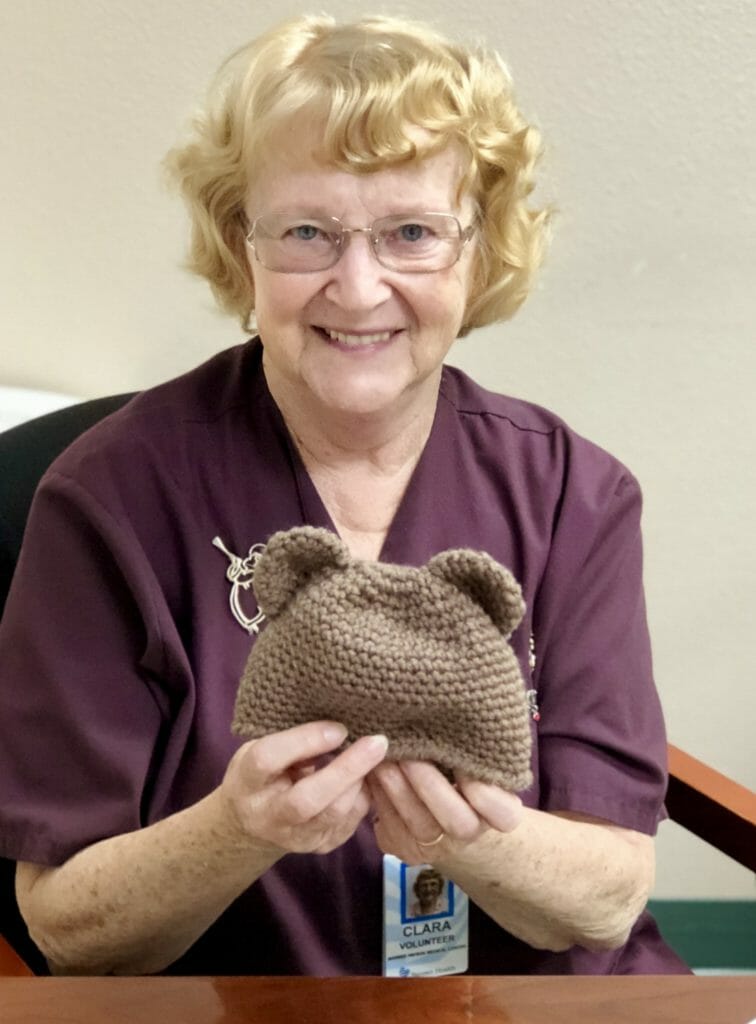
(392, 834)
(269, 756)
(301, 771)
(374, 789)
(341, 828)
(339, 821)
(497, 807)
(312, 795)
(415, 815)
(355, 800)
(449, 807)
(386, 818)
(303, 768)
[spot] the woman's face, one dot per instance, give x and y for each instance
(416, 316)
(428, 890)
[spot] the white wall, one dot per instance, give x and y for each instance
(641, 333)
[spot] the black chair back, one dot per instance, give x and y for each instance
(25, 453)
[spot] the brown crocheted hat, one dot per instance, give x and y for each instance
(419, 654)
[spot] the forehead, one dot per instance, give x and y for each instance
(291, 184)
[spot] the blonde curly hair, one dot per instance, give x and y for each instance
(363, 84)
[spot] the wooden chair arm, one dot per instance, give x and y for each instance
(11, 964)
(715, 808)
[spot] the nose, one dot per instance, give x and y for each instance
(358, 281)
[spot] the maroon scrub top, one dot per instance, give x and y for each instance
(120, 653)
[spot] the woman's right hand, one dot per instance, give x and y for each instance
(135, 902)
(279, 796)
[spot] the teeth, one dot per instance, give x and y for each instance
(358, 339)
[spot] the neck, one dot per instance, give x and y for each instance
(384, 439)
(359, 464)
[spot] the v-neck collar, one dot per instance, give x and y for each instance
(440, 508)
(398, 545)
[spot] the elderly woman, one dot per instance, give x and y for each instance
(428, 890)
(361, 193)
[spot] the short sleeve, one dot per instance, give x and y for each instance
(602, 743)
(81, 650)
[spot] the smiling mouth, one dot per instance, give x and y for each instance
(357, 340)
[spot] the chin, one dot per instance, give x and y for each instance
(360, 406)
(363, 396)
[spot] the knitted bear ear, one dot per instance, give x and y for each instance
(489, 584)
(290, 559)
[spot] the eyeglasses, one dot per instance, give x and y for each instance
(417, 243)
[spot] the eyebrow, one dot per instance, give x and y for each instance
(319, 213)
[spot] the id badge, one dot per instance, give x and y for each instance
(425, 922)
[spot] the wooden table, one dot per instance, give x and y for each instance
(458, 1000)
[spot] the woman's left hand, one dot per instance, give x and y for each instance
(415, 805)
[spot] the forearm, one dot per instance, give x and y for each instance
(134, 903)
(555, 883)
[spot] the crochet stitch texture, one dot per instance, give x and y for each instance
(419, 654)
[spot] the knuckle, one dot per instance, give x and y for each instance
(301, 805)
(257, 759)
(468, 829)
(352, 805)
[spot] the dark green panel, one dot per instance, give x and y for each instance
(709, 933)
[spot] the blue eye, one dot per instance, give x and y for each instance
(305, 232)
(412, 232)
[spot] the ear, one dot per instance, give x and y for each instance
(290, 559)
(489, 584)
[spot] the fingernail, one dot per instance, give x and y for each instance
(378, 744)
(334, 733)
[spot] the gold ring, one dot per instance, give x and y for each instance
(433, 842)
